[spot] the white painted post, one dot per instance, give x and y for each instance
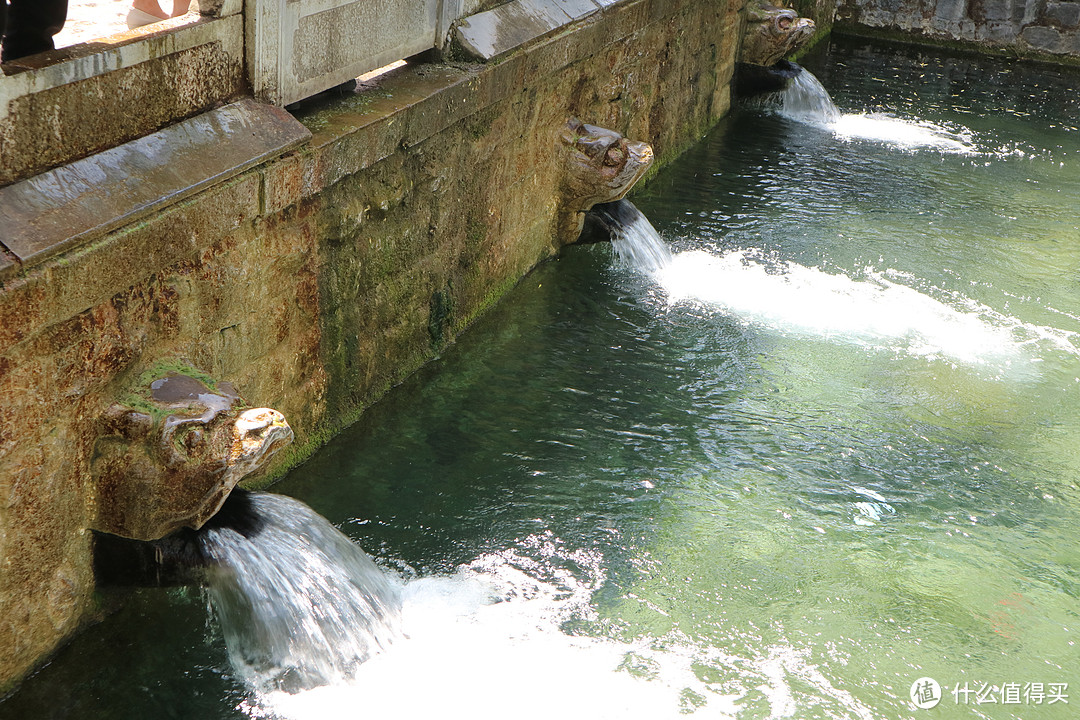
(449, 11)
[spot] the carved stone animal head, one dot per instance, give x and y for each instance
(600, 166)
(169, 456)
(771, 32)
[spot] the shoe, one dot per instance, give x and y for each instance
(137, 18)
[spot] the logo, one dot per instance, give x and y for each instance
(925, 693)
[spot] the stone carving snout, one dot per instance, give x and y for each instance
(600, 166)
(169, 456)
(772, 32)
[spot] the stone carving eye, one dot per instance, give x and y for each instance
(614, 157)
(784, 22)
(591, 147)
(194, 440)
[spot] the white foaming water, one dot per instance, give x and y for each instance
(806, 100)
(300, 605)
(488, 642)
(876, 313)
(904, 134)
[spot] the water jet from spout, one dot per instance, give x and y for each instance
(635, 240)
(300, 605)
(806, 100)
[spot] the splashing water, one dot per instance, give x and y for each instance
(904, 134)
(806, 100)
(876, 313)
(489, 641)
(317, 630)
(300, 605)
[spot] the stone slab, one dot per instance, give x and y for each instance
(578, 9)
(297, 49)
(1065, 14)
(490, 34)
(1044, 39)
(152, 77)
(62, 208)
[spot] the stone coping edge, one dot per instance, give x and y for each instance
(501, 30)
(59, 209)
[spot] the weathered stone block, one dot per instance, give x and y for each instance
(1044, 39)
(1040, 25)
(284, 183)
(1064, 14)
(493, 33)
(992, 10)
(488, 35)
(297, 49)
(950, 10)
(1003, 32)
(93, 274)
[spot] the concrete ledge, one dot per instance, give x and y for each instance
(149, 77)
(490, 34)
(59, 209)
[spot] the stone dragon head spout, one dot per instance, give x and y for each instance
(169, 456)
(599, 166)
(772, 32)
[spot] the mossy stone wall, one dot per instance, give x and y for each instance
(316, 281)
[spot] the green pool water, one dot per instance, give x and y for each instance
(832, 450)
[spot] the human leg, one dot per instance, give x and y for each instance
(30, 26)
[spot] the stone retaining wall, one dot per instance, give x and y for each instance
(317, 279)
(1025, 27)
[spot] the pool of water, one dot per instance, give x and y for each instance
(830, 450)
